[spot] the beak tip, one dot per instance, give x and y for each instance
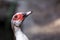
(29, 12)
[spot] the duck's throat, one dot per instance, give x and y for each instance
(19, 34)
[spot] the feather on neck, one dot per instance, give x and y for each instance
(19, 34)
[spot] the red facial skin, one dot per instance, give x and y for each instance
(18, 17)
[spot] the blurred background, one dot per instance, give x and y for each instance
(42, 24)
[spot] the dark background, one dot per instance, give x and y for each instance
(42, 24)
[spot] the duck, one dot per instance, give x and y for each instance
(16, 22)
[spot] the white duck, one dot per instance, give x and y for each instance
(16, 21)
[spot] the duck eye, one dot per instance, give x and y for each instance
(16, 16)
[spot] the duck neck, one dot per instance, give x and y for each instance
(19, 35)
(16, 29)
(17, 32)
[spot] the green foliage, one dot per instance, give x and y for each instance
(10, 12)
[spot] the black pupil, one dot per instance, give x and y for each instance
(16, 16)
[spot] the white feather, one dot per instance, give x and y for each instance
(19, 34)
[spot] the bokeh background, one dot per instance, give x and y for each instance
(42, 24)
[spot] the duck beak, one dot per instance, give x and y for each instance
(27, 14)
